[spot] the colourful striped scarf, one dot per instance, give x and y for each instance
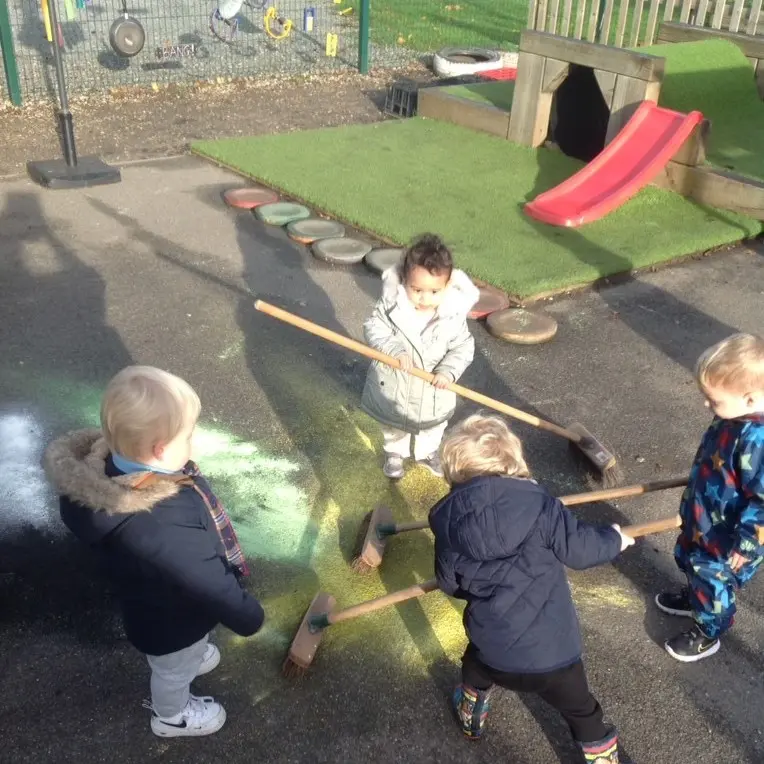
(233, 551)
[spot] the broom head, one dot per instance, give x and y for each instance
(373, 546)
(598, 455)
(306, 641)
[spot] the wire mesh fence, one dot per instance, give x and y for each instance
(185, 40)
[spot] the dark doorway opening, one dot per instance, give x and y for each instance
(579, 115)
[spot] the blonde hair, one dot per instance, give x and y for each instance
(735, 364)
(143, 406)
(482, 445)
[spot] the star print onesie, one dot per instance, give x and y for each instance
(722, 512)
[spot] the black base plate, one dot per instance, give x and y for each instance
(89, 171)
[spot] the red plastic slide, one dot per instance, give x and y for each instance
(631, 160)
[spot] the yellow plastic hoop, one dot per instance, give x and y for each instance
(286, 24)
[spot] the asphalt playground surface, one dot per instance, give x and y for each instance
(156, 270)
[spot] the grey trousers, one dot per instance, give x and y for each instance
(171, 677)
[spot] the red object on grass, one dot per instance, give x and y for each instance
(633, 158)
(499, 74)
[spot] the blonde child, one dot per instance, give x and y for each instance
(421, 319)
(502, 543)
(131, 492)
(721, 542)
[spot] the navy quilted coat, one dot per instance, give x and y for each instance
(502, 545)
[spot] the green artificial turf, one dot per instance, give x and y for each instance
(400, 178)
(498, 94)
(715, 78)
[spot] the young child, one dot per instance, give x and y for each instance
(131, 493)
(421, 320)
(502, 544)
(721, 542)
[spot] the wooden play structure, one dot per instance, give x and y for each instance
(628, 81)
(625, 78)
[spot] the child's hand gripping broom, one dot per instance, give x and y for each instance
(321, 613)
(603, 460)
(381, 525)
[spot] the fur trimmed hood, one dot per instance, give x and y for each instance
(461, 294)
(75, 464)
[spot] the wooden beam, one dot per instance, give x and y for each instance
(693, 150)
(555, 73)
(625, 62)
(435, 104)
(627, 95)
(753, 47)
(715, 187)
(531, 107)
(606, 81)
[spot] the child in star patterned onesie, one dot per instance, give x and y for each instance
(721, 542)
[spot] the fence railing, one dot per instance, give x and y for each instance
(632, 23)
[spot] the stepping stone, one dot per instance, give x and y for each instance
(382, 258)
(491, 299)
(249, 198)
(341, 251)
(521, 327)
(281, 213)
(313, 229)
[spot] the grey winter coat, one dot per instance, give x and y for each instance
(445, 346)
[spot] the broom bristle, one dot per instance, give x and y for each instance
(612, 476)
(292, 670)
(361, 567)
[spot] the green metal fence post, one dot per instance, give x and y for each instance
(363, 36)
(9, 55)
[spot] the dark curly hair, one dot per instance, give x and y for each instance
(430, 252)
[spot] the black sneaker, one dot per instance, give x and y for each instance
(691, 646)
(675, 603)
(432, 462)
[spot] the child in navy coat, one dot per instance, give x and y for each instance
(502, 543)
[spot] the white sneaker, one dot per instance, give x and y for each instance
(210, 660)
(201, 716)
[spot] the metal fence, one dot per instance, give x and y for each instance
(185, 41)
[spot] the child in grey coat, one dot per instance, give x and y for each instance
(421, 319)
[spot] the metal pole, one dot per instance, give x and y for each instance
(64, 115)
(9, 55)
(363, 36)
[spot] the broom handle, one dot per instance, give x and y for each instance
(418, 590)
(583, 498)
(376, 355)
(655, 526)
(381, 602)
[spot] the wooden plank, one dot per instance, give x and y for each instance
(606, 81)
(652, 22)
(719, 9)
(715, 188)
(607, 20)
(623, 13)
(736, 17)
(629, 63)
(591, 34)
(753, 47)
(532, 13)
(693, 150)
(554, 12)
(702, 12)
(684, 14)
(541, 16)
(636, 23)
(628, 93)
(566, 16)
(759, 74)
(529, 121)
(753, 18)
(669, 13)
(580, 16)
(435, 104)
(554, 74)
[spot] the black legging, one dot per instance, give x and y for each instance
(565, 689)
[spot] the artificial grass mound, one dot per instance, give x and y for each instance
(498, 94)
(714, 77)
(399, 178)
